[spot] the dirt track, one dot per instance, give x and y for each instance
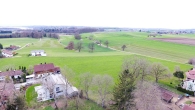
(186, 41)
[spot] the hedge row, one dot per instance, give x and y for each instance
(185, 91)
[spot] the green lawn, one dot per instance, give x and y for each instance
(31, 95)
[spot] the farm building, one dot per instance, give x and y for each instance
(166, 97)
(6, 53)
(54, 86)
(12, 47)
(13, 73)
(41, 69)
(38, 53)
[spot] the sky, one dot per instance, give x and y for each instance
(172, 14)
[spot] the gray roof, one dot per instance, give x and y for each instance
(33, 51)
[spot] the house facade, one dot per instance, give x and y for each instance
(6, 53)
(54, 86)
(38, 53)
(44, 69)
(13, 73)
(189, 83)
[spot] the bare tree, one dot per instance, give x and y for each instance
(106, 43)
(86, 80)
(144, 68)
(159, 71)
(177, 68)
(79, 46)
(123, 47)
(136, 66)
(100, 41)
(91, 46)
(103, 85)
(148, 96)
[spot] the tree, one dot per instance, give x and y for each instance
(86, 80)
(123, 47)
(91, 37)
(123, 91)
(20, 102)
(100, 41)
(191, 61)
(1, 46)
(77, 36)
(79, 46)
(137, 66)
(70, 46)
(1, 55)
(91, 46)
(179, 74)
(148, 96)
(159, 71)
(102, 85)
(106, 43)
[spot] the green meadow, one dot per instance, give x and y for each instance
(139, 43)
(103, 60)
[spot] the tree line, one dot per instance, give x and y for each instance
(31, 34)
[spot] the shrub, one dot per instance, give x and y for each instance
(191, 61)
(77, 36)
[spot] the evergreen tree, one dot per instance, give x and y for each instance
(123, 91)
(1, 46)
(1, 55)
(179, 74)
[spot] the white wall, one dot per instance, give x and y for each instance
(6, 55)
(61, 88)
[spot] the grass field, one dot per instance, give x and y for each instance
(102, 60)
(16, 41)
(139, 43)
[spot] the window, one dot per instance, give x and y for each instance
(58, 89)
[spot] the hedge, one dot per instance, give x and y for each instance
(185, 91)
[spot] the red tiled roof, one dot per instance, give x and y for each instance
(7, 52)
(188, 108)
(166, 96)
(43, 67)
(191, 74)
(11, 73)
(192, 105)
(57, 69)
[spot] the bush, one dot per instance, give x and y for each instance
(179, 74)
(191, 61)
(77, 36)
(185, 91)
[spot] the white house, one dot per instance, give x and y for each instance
(7, 53)
(53, 86)
(38, 53)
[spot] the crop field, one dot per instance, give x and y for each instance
(139, 43)
(103, 60)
